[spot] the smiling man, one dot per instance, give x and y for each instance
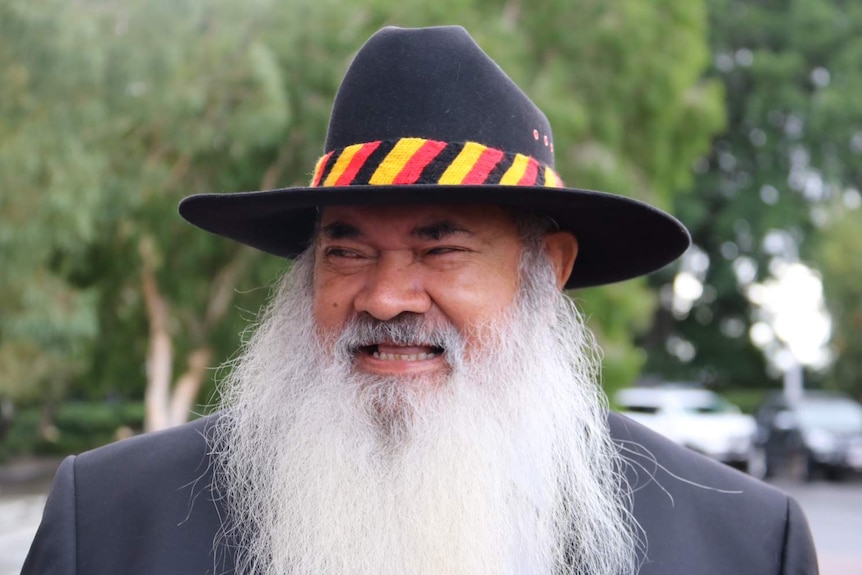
(420, 396)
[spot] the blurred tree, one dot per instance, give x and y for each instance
(842, 269)
(48, 199)
(197, 111)
(110, 113)
(101, 137)
(791, 71)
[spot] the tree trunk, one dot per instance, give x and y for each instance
(188, 385)
(167, 407)
(160, 355)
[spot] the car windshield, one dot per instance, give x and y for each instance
(641, 408)
(834, 415)
(690, 401)
(714, 404)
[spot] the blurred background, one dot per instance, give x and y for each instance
(742, 118)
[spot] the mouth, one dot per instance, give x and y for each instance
(400, 360)
(393, 352)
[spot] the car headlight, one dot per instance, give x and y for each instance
(821, 441)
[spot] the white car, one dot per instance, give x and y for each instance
(696, 418)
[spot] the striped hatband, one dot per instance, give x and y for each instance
(409, 161)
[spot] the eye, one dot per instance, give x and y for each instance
(445, 250)
(442, 250)
(341, 253)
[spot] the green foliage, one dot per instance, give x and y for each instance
(615, 313)
(48, 198)
(841, 269)
(77, 427)
(134, 107)
(747, 399)
(791, 75)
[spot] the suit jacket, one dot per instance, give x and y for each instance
(144, 506)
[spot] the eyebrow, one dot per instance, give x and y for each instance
(434, 231)
(340, 231)
(439, 230)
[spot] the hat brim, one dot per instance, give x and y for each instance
(618, 238)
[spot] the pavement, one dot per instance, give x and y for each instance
(18, 523)
(23, 489)
(834, 513)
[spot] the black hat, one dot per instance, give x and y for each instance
(425, 116)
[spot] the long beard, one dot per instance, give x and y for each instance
(504, 465)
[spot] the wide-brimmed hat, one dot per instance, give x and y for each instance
(425, 116)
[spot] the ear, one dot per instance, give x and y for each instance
(562, 249)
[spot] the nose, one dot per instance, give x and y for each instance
(393, 286)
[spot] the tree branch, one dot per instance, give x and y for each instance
(188, 385)
(160, 352)
(223, 286)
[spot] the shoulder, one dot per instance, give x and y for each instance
(701, 516)
(149, 477)
(185, 444)
(153, 494)
(650, 455)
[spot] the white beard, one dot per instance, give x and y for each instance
(505, 467)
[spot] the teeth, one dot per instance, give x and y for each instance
(404, 357)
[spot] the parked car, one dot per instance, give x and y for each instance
(694, 417)
(818, 434)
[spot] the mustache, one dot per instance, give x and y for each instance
(363, 331)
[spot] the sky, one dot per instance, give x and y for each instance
(791, 324)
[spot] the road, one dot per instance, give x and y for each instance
(19, 517)
(834, 512)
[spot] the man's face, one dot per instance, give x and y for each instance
(448, 263)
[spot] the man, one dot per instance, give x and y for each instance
(420, 397)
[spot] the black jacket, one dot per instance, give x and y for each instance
(144, 506)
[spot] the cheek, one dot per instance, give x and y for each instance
(472, 301)
(330, 305)
(328, 313)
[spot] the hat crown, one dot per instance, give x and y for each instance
(434, 83)
(425, 116)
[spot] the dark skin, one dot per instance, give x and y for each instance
(450, 262)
